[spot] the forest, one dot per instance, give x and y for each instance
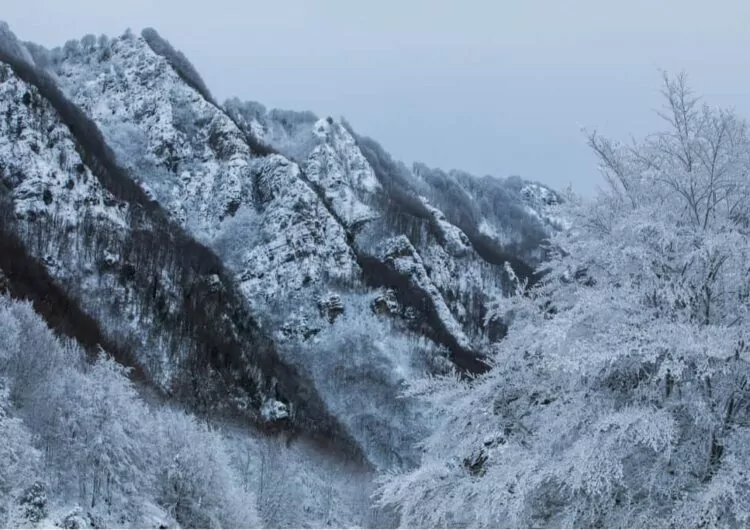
(199, 326)
(620, 395)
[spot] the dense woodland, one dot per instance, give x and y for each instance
(590, 370)
(178, 281)
(619, 397)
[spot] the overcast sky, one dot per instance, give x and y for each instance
(492, 86)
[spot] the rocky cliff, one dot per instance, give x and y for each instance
(269, 265)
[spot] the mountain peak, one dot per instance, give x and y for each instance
(262, 265)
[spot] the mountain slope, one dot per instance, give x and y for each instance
(248, 260)
(156, 292)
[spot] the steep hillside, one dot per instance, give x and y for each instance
(269, 265)
(157, 293)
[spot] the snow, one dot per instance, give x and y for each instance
(487, 229)
(282, 223)
(257, 130)
(273, 410)
(456, 241)
(540, 203)
(322, 129)
(300, 242)
(300, 245)
(37, 147)
(404, 258)
(187, 153)
(135, 91)
(538, 193)
(50, 181)
(338, 167)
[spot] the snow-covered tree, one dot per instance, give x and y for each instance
(81, 429)
(196, 482)
(620, 396)
(19, 460)
(360, 353)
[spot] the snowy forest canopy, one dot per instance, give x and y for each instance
(620, 396)
(616, 392)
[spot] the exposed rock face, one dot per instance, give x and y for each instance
(340, 170)
(331, 306)
(301, 245)
(218, 263)
(186, 152)
(273, 410)
(157, 294)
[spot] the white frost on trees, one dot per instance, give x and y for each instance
(620, 396)
(81, 430)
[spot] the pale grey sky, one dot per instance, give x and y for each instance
(489, 86)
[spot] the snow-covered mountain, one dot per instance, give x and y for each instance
(269, 266)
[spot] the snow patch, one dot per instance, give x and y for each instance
(339, 169)
(400, 254)
(456, 241)
(273, 410)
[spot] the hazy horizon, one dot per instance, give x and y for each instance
(486, 87)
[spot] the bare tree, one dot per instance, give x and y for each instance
(703, 156)
(274, 487)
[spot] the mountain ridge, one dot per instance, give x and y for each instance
(292, 210)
